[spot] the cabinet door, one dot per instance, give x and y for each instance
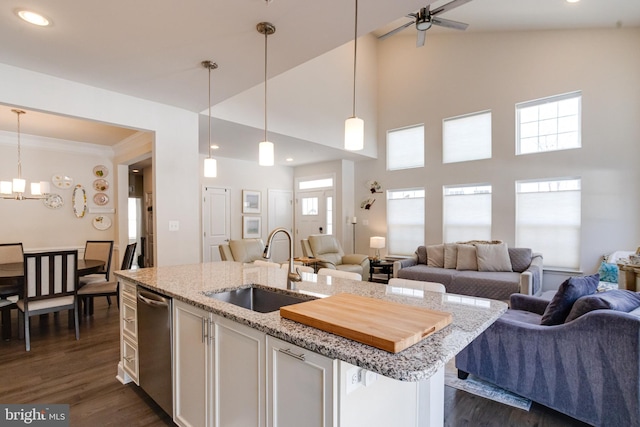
(301, 386)
(240, 374)
(192, 366)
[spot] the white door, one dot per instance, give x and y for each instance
(216, 229)
(280, 215)
(314, 215)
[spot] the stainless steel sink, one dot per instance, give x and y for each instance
(259, 299)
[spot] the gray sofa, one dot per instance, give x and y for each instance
(587, 368)
(521, 272)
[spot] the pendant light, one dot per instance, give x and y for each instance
(354, 126)
(210, 164)
(265, 148)
(16, 188)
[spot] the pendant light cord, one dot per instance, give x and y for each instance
(355, 55)
(209, 67)
(19, 112)
(265, 85)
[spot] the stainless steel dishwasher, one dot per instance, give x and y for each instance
(154, 347)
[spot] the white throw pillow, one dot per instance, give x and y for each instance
(493, 257)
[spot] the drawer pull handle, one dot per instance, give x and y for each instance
(292, 354)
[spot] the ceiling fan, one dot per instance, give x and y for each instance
(425, 18)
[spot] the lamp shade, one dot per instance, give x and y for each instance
(265, 154)
(210, 168)
(6, 187)
(377, 242)
(354, 134)
(19, 185)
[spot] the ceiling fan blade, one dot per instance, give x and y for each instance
(397, 30)
(421, 37)
(447, 23)
(448, 6)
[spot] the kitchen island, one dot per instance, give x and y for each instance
(361, 385)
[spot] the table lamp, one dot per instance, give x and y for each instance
(377, 243)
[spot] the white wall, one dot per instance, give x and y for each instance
(238, 175)
(30, 221)
(456, 74)
(175, 148)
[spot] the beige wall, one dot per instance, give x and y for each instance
(456, 74)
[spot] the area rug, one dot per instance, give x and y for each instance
(486, 390)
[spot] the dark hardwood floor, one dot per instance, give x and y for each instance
(59, 369)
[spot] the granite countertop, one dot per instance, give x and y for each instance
(188, 283)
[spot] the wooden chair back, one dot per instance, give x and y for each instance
(100, 250)
(50, 275)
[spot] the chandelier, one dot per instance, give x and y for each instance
(16, 188)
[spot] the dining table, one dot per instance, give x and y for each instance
(12, 283)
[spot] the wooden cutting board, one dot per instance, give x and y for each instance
(383, 324)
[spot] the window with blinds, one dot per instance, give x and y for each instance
(466, 138)
(548, 220)
(549, 124)
(405, 220)
(466, 212)
(405, 148)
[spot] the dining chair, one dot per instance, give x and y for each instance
(106, 289)
(266, 263)
(10, 253)
(50, 280)
(339, 273)
(100, 250)
(298, 267)
(417, 284)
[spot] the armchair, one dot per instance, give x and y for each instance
(242, 250)
(327, 249)
(587, 368)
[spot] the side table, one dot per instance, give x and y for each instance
(380, 267)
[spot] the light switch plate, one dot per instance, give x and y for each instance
(174, 225)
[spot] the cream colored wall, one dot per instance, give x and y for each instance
(456, 74)
(238, 175)
(175, 147)
(30, 221)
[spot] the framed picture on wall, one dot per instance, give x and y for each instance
(251, 227)
(250, 201)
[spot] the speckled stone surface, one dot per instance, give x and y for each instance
(189, 283)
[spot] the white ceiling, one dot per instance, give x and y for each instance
(153, 49)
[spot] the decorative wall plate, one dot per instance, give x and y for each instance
(62, 181)
(100, 184)
(53, 201)
(102, 222)
(79, 201)
(100, 199)
(101, 171)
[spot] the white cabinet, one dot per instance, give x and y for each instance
(302, 386)
(128, 366)
(193, 361)
(239, 374)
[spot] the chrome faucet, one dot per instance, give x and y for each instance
(294, 275)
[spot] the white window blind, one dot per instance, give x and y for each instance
(466, 212)
(549, 124)
(548, 220)
(466, 138)
(405, 148)
(405, 220)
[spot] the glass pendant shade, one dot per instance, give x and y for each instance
(210, 168)
(19, 185)
(265, 153)
(6, 187)
(354, 134)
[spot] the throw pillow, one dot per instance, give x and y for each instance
(493, 257)
(421, 252)
(435, 256)
(467, 258)
(568, 293)
(618, 299)
(520, 258)
(450, 255)
(608, 272)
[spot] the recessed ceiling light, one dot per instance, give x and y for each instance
(289, 159)
(573, 1)
(135, 170)
(33, 18)
(214, 146)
